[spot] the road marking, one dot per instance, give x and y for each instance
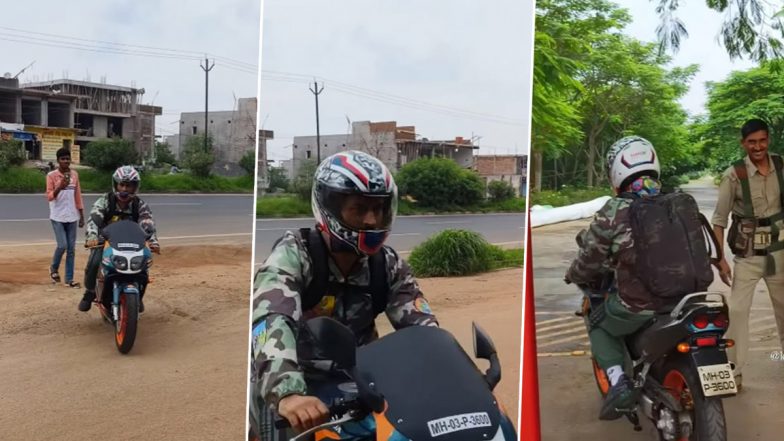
(24, 220)
(550, 328)
(448, 222)
(174, 203)
(573, 330)
(406, 234)
(555, 320)
(411, 216)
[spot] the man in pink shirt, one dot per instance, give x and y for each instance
(65, 209)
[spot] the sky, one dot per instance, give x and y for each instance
(437, 59)
(702, 47)
(228, 29)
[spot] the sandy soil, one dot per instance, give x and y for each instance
(62, 378)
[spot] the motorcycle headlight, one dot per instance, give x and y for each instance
(137, 263)
(120, 262)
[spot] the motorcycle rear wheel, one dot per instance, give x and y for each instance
(707, 414)
(125, 327)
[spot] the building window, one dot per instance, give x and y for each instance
(194, 130)
(307, 154)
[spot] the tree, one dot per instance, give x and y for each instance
(751, 28)
(163, 154)
(755, 93)
(302, 185)
(248, 162)
(109, 154)
(198, 158)
(440, 183)
(277, 178)
(12, 153)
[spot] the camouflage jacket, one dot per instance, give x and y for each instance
(608, 245)
(277, 311)
(101, 207)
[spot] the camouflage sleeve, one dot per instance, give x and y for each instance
(407, 305)
(96, 216)
(147, 222)
(276, 310)
(601, 242)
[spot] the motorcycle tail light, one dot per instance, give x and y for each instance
(706, 341)
(721, 321)
(700, 322)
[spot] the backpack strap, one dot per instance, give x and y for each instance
(743, 177)
(317, 250)
(379, 287)
(135, 209)
(778, 163)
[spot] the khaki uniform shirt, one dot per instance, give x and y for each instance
(764, 193)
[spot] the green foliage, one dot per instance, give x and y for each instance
(500, 191)
(109, 154)
(440, 183)
(454, 253)
(248, 162)
(302, 185)
(282, 206)
(17, 179)
(12, 153)
(198, 157)
(567, 195)
(277, 178)
(163, 154)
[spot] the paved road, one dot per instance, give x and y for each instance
(409, 230)
(24, 219)
(569, 400)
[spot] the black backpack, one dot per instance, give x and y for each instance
(112, 209)
(319, 285)
(672, 252)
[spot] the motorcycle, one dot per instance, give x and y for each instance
(677, 362)
(123, 279)
(414, 384)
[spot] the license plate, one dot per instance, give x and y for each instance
(717, 379)
(457, 423)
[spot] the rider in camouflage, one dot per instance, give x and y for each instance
(354, 201)
(607, 244)
(119, 204)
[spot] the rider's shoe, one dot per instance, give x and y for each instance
(620, 396)
(87, 301)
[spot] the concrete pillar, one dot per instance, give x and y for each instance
(18, 111)
(44, 113)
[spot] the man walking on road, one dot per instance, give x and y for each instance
(751, 193)
(64, 193)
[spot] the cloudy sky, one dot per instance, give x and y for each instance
(176, 34)
(701, 47)
(449, 67)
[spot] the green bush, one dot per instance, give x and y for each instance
(440, 183)
(17, 179)
(282, 206)
(12, 153)
(248, 162)
(500, 191)
(302, 185)
(108, 154)
(454, 253)
(197, 157)
(277, 178)
(163, 154)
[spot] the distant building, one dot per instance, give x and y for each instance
(70, 113)
(233, 133)
(261, 166)
(511, 169)
(394, 145)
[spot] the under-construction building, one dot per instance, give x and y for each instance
(94, 110)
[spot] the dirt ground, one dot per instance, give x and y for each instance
(62, 378)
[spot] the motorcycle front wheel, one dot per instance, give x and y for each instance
(679, 377)
(125, 327)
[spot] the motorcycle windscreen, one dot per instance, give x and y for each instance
(433, 389)
(125, 236)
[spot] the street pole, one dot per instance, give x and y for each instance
(206, 68)
(316, 93)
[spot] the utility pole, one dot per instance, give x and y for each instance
(206, 68)
(316, 93)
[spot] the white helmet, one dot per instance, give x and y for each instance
(630, 158)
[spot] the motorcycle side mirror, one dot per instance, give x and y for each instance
(335, 341)
(485, 349)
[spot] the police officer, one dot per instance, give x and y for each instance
(751, 193)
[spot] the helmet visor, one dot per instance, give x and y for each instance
(361, 212)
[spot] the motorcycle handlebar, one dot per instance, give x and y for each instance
(339, 408)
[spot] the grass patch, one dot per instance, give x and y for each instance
(28, 180)
(455, 253)
(282, 206)
(509, 258)
(567, 196)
